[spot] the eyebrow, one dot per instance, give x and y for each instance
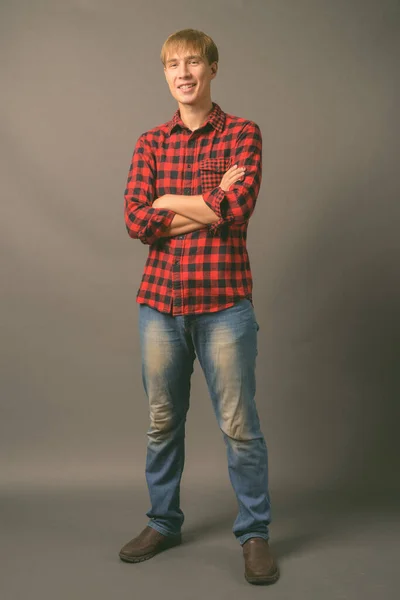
(170, 60)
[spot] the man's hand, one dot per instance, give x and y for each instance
(232, 175)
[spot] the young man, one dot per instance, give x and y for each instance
(192, 188)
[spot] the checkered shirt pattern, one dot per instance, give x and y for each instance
(206, 270)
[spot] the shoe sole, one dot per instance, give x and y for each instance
(143, 557)
(263, 580)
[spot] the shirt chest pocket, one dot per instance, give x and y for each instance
(211, 172)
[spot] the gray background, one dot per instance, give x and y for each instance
(81, 80)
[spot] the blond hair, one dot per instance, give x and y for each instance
(192, 40)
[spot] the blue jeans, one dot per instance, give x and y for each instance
(225, 343)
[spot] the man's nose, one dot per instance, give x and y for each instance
(183, 70)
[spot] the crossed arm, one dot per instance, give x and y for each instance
(232, 201)
(192, 212)
(181, 225)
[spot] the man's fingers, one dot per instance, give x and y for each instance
(237, 175)
(234, 168)
(235, 172)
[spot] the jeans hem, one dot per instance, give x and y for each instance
(247, 536)
(162, 529)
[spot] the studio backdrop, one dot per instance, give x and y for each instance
(81, 80)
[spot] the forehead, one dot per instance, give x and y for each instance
(181, 51)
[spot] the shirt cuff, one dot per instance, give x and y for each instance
(158, 226)
(213, 199)
(165, 217)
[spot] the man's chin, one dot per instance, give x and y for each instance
(188, 101)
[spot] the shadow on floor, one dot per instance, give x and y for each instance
(301, 519)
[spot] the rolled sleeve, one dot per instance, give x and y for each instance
(157, 225)
(213, 199)
(142, 221)
(237, 205)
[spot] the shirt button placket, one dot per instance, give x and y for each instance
(177, 279)
(189, 167)
(176, 286)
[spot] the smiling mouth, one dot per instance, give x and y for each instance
(187, 86)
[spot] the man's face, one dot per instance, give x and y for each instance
(189, 77)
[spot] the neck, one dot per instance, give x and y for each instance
(194, 116)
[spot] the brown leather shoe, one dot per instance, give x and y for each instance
(260, 566)
(147, 544)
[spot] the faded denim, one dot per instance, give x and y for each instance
(225, 343)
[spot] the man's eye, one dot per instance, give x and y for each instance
(194, 62)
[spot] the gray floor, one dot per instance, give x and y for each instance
(63, 544)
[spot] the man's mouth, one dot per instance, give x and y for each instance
(186, 86)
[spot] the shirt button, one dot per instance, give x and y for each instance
(187, 190)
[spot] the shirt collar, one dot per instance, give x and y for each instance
(216, 119)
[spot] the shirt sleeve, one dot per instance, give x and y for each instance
(142, 221)
(237, 205)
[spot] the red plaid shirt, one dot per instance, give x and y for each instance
(206, 270)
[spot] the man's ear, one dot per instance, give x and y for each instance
(214, 68)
